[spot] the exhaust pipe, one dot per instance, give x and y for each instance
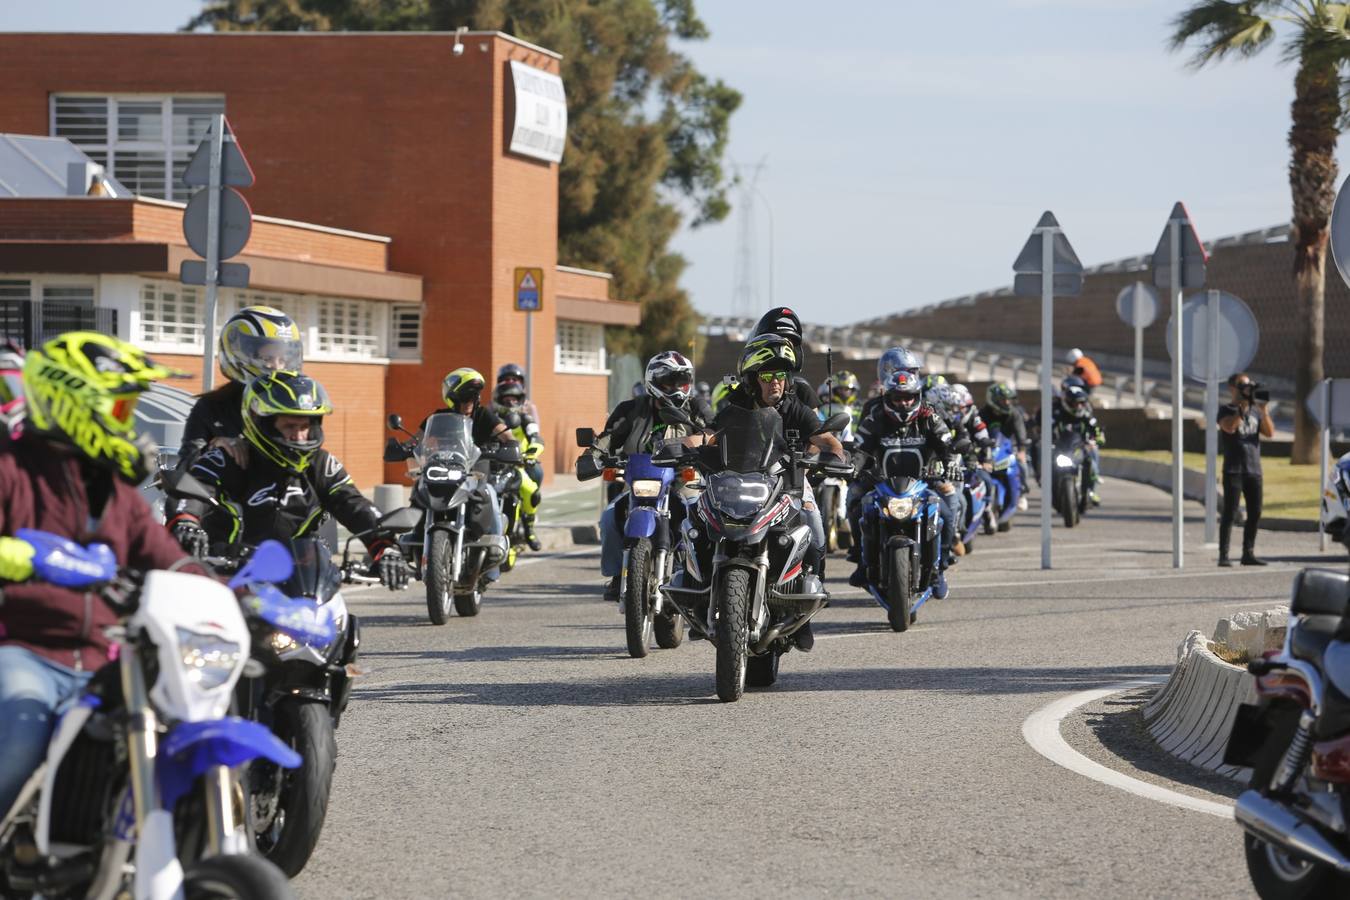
(1273, 823)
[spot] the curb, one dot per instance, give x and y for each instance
(1159, 475)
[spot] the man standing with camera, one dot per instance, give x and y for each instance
(1242, 424)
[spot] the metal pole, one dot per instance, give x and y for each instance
(212, 253)
(529, 348)
(1211, 418)
(1047, 352)
(1138, 364)
(1178, 501)
(1325, 454)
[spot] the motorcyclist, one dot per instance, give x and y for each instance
(73, 472)
(512, 373)
(1074, 413)
(784, 322)
(290, 481)
(509, 403)
(1002, 413)
(719, 395)
(968, 426)
(893, 360)
(703, 391)
(1083, 367)
(639, 426)
(901, 419)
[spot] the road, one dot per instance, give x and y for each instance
(522, 753)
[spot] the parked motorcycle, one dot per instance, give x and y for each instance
(741, 583)
(1296, 740)
(1070, 480)
(139, 777)
(451, 549)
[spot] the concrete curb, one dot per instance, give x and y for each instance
(1159, 475)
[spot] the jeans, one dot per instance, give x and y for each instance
(952, 506)
(497, 525)
(33, 691)
(611, 537)
(1249, 487)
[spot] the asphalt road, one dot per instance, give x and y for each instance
(522, 753)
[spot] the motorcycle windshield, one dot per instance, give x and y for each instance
(316, 575)
(750, 438)
(448, 440)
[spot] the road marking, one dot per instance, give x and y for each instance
(1042, 731)
(1012, 582)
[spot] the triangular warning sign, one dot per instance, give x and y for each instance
(234, 168)
(527, 283)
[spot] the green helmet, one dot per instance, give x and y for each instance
(285, 394)
(1001, 396)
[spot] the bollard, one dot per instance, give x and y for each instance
(388, 497)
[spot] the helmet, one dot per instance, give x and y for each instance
(1075, 355)
(669, 378)
(1073, 381)
(703, 390)
(508, 397)
(943, 401)
(511, 372)
(965, 403)
(461, 386)
(845, 387)
(81, 388)
(11, 385)
(1001, 396)
(259, 339)
(285, 394)
(1074, 399)
(784, 323)
(932, 381)
(719, 395)
(901, 398)
(823, 392)
(638, 389)
(765, 353)
(893, 359)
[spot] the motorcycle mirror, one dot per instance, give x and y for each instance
(393, 451)
(835, 423)
(404, 519)
(395, 422)
(585, 437)
(270, 563)
(180, 484)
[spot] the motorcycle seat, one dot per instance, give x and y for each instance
(1309, 638)
(1320, 592)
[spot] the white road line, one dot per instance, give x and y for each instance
(1012, 582)
(1042, 731)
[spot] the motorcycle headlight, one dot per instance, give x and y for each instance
(739, 496)
(645, 487)
(1063, 461)
(281, 643)
(900, 507)
(208, 661)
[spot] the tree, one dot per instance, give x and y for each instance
(644, 126)
(1319, 43)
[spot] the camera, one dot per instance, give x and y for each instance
(1254, 392)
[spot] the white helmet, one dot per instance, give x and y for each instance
(1075, 355)
(669, 378)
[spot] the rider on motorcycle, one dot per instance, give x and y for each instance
(637, 426)
(1074, 413)
(901, 419)
(1001, 412)
(784, 322)
(290, 481)
(73, 472)
(894, 360)
(510, 405)
(512, 373)
(967, 425)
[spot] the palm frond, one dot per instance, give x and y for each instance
(1221, 28)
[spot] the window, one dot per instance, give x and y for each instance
(405, 331)
(171, 314)
(581, 347)
(15, 289)
(144, 142)
(347, 328)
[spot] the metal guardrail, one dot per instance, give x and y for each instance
(32, 322)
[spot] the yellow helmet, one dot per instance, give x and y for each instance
(81, 388)
(257, 340)
(461, 386)
(285, 394)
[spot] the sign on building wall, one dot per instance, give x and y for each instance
(540, 127)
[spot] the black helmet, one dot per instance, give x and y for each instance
(511, 372)
(784, 323)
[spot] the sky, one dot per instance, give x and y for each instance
(910, 147)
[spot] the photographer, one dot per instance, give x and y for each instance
(1242, 424)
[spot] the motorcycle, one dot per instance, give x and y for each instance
(137, 796)
(979, 513)
(751, 595)
(1070, 488)
(451, 549)
(902, 537)
(1336, 502)
(647, 557)
(1296, 740)
(831, 491)
(1009, 484)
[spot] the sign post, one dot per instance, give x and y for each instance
(1046, 265)
(1178, 263)
(1211, 417)
(529, 294)
(217, 223)
(1137, 306)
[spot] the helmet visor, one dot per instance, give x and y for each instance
(266, 354)
(672, 382)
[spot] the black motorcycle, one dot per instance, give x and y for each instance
(1296, 740)
(1069, 485)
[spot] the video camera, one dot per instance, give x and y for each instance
(1254, 392)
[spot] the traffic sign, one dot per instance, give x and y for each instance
(1338, 402)
(1237, 336)
(529, 290)
(1137, 305)
(193, 271)
(1193, 255)
(1068, 271)
(234, 168)
(236, 222)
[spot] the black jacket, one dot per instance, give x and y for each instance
(217, 413)
(1012, 423)
(926, 432)
(799, 420)
(267, 501)
(634, 423)
(485, 421)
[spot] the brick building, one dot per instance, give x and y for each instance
(391, 210)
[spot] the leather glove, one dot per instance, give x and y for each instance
(16, 559)
(191, 537)
(393, 570)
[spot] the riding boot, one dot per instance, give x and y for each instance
(530, 537)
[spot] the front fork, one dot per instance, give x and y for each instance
(159, 874)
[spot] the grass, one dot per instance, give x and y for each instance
(1291, 492)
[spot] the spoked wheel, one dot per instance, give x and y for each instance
(733, 633)
(235, 878)
(762, 671)
(438, 578)
(898, 595)
(637, 601)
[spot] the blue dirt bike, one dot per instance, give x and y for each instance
(902, 538)
(1009, 484)
(979, 509)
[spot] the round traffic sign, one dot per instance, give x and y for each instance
(236, 222)
(1340, 232)
(1137, 305)
(1238, 336)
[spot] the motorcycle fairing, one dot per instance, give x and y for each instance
(191, 748)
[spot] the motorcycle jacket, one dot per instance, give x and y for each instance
(635, 426)
(800, 421)
(217, 413)
(973, 429)
(803, 392)
(1012, 423)
(926, 432)
(1086, 425)
(525, 430)
(266, 501)
(485, 422)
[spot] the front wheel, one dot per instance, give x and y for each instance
(297, 799)
(235, 878)
(637, 601)
(898, 594)
(439, 577)
(733, 633)
(1067, 501)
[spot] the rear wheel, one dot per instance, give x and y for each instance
(828, 500)
(1066, 501)
(438, 578)
(235, 878)
(469, 603)
(898, 590)
(733, 633)
(669, 630)
(637, 601)
(762, 671)
(299, 797)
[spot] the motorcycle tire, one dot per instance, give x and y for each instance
(826, 503)
(235, 878)
(637, 601)
(1067, 502)
(762, 671)
(302, 806)
(469, 603)
(898, 595)
(733, 632)
(669, 628)
(439, 579)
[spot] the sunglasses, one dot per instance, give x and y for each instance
(771, 377)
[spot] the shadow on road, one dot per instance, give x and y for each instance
(503, 654)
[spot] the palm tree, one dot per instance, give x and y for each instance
(1319, 42)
